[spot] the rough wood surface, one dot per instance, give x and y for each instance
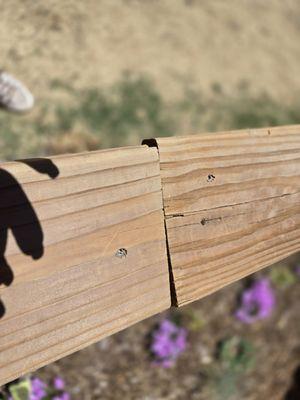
(232, 205)
(83, 248)
(62, 222)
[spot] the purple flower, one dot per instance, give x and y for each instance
(168, 341)
(38, 389)
(257, 302)
(59, 383)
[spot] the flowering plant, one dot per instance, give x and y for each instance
(168, 341)
(36, 389)
(257, 302)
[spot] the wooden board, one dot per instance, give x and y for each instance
(232, 205)
(83, 248)
(64, 284)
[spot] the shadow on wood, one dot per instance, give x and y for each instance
(17, 214)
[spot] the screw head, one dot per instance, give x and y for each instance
(210, 178)
(121, 253)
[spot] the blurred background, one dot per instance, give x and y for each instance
(109, 73)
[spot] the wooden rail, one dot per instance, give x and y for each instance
(92, 243)
(232, 205)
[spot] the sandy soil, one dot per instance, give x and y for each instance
(176, 42)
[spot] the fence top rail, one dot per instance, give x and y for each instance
(94, 242)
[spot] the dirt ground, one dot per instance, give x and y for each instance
(175, 42)
(119, 367)
(178, 44)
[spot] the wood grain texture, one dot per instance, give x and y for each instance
(232, 205)
(69, 289)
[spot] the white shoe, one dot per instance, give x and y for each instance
(14, 96)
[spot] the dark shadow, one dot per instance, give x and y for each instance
(150, 142)
(42, 165)
(294, 391)
(18, 215)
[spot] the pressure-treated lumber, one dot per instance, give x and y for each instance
(88, 252)
(92, 243)
(232, 205)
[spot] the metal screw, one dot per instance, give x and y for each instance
(121, 253)
(210, 178)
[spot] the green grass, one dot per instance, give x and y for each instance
(131, 110)
(239, 110)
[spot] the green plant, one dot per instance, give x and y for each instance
(20, 390)
(195, 320)
(236, 356)
(282, 276)
(133, 109)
